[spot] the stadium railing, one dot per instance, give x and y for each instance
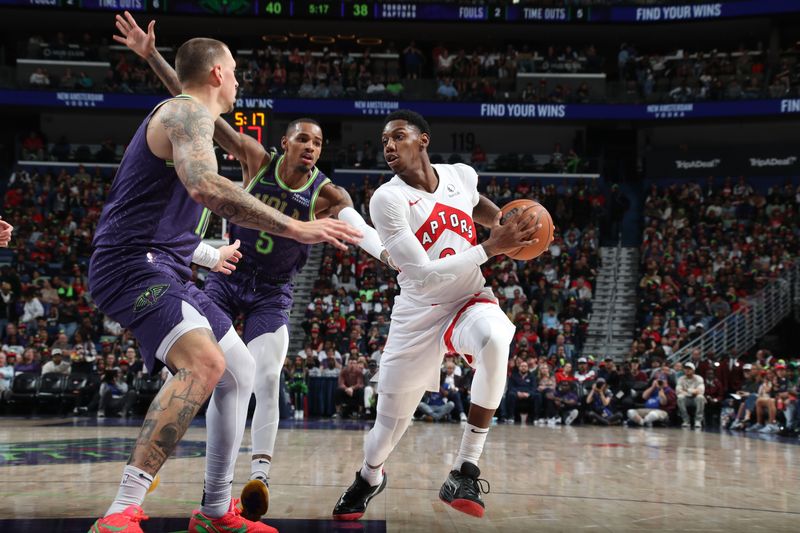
(742, 329)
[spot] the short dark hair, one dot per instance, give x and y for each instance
(195, 58)
(412, 117)
(303, 120)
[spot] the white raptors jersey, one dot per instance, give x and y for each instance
(440, 223)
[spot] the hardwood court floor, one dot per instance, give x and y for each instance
(542, 479)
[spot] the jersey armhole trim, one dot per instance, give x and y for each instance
(312, 212)
(258, 176)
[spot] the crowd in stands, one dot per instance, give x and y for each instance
(687, 76)
(706, 249)
(559, 161)
(49, 326)
(459, 71)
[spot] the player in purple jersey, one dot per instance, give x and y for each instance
(261, 288)
(139, 275)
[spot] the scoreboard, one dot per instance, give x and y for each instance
(442, 12)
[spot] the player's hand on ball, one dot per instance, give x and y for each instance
(143, 44)
(517, 231)
(5, 233)
(229, 255)
(328, 230)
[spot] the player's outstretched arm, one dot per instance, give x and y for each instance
(243, 147)
(334, 201)
(189, 127)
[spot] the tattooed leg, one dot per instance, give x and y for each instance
(168, 418)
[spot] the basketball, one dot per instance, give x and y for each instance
(545, 233)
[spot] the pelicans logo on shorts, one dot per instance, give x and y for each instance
(150, 297)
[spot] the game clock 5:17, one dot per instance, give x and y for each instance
(318, 9)
(250, 123)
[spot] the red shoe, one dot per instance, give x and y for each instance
(127, 521)
(230, 522)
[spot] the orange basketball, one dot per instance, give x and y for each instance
(545, 233)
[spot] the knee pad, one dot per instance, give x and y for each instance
(269, 351)
(240, 366)
(490, 362)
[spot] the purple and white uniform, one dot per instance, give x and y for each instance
(261, 286)
(139, 273)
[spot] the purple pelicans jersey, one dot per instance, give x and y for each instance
(261, 286)
(139, 273)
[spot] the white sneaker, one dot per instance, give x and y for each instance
(686, 425)
(551, 422)
(698, 424)
(463, 417)
(571, 418)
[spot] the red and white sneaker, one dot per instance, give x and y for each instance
(230, 522)
(127, 521)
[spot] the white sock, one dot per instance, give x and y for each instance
(259, 468)
(373, 476)
(471, 446)
(132, 489)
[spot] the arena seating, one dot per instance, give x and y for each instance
(446, 71)
(696, 266)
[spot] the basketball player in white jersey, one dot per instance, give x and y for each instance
(424, 217)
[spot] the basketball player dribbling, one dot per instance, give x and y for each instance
(261, 287)
(139, 275)
(424, 217)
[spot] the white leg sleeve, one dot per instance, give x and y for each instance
(225, 422)
(269, 351)
(394, 412)
(485, 333)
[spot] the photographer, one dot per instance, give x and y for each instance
(599, 402)
(659, 402)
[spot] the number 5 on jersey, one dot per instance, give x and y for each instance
(264, 243)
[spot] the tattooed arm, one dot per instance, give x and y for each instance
(189, 127)
(243, 147)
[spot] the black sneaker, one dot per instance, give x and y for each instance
(353, 503)
(462, 490)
